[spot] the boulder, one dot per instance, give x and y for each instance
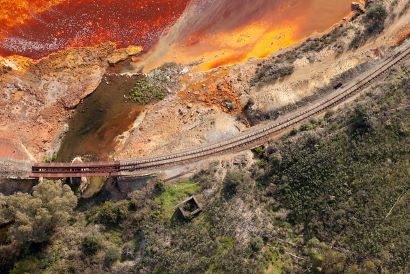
(357, 8)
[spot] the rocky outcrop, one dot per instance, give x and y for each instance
(37, 98)
(122, 54)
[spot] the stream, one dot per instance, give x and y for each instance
(99, 119)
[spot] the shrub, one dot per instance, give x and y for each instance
(28, 265)
(145, 91)
(205, 178)
(256, 244)
(111, 256)
(275, 160)
(293, 132)
(324, 259)
(159, 188)
(128, 252)
(91, 244)
(35, 216)
(374, 20)
(111, 214)
(259, 151)
(231, 183)
(329, 114)
(375, 17)
(360, 121)
(272, 72)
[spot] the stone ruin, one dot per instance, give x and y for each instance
(189, 208)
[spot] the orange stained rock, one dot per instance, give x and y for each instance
(403, 35)
(213, 89)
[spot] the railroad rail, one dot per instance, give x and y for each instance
(250, 138)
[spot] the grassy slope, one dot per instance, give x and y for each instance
(342, 183)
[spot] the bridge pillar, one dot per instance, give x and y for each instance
(79, 182)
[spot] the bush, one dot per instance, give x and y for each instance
(375, 17)
(91, 245)
(256, 244)
(205, 178)
(111, 256)
(111, 214)
(360, 121)
(159, 188)
(34, 217)
(259, 151)
(374, 20)
(27, 266)
(272, 72)
(145, 91)
(128, 252)
(231, 183)
(324, 259)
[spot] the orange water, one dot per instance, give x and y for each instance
(216, 32)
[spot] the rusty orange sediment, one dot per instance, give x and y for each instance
(222, 32)
(403, 35)
(212, 88)
(37, 28)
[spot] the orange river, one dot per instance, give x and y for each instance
(214, 32)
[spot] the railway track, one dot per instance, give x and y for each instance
(245, 140)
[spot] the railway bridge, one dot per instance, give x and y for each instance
(248, 139)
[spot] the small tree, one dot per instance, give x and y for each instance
(91, 245)
(111, 256)
(111, 214)
(256, 244)
(375, 17)
(231, 183)
(159, 187)
(36, 216)
(360, 122)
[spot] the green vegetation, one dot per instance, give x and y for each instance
(231, 183)
(375, 17)
(325, 259)
(272, 72)
(146, 91)
(34, 217)
(174, 194)
(256, 244)
(159, 188)
(50, 159)
(111, 256)
(373, 23)
(110, 214)
(29, 265)
(341, 187)
(332, 198)
(91, 244)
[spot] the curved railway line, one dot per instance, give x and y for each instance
(245, 140)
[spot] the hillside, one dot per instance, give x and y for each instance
(331, 195)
